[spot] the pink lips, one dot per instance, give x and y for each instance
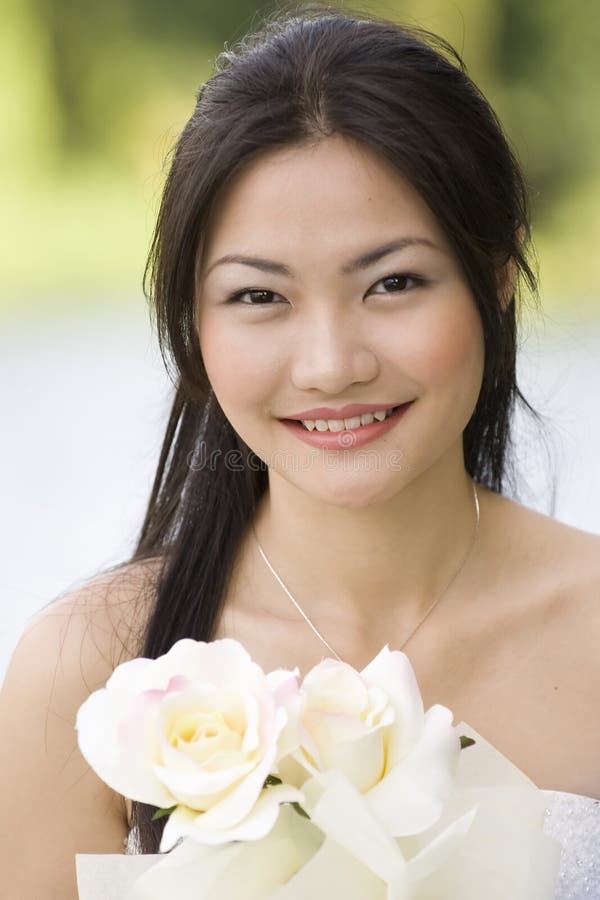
(348, 438)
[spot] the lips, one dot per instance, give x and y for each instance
(345, 412)
(349, 438)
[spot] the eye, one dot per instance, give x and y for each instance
(399, 282)
(263, 295)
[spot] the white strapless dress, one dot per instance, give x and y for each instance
(574, 821)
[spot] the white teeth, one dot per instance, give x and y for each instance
(341, 424)
(335, 424)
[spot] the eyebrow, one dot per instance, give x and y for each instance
(355, 265)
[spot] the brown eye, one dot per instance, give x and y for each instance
(398, 283)
(262, 295)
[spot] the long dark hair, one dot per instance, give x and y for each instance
(307, 73)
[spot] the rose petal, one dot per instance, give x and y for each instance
(195, 789)
(127, 676)
(284, 684)
(237, 803)
(259, 821)
(362, 761)
(392, 671)
(327, 730)
(145, 736)
(223, 662)
(410, 798)
(333, 686)
(125, 767)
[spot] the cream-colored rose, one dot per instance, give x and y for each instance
(199, 728)
(489, 843)
(376, 771)
(372, 728)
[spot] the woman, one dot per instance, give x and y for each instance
(334, 275)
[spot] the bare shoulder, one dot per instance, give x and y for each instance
(565, 559)
(73, 644)
(556, 581)
(69, 650)
(109, 612)
(551, 571)
(545, 603)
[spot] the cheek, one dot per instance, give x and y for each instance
(239, 373)
(450, 351)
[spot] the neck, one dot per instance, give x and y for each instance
(371, 561)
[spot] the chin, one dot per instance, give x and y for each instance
(350, 491)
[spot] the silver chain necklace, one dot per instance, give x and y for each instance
(419, 623)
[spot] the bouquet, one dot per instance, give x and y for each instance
(279, 789)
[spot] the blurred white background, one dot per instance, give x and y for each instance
(84, 403)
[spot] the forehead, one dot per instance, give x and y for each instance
(324, 191)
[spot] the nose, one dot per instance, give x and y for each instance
(330, 353)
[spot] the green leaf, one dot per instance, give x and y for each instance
(465, 741)
(272, 779)
(161, 813)
(299, 810)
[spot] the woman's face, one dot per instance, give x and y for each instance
(297, 325)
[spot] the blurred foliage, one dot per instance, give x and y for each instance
(93, 95)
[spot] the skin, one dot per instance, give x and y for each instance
(364, 552)
(511, 647)
(332, 339)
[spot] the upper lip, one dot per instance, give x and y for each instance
(345, 412)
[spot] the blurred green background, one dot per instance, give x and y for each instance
(92, 96)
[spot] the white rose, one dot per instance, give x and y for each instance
(199, 728)
(372, 728)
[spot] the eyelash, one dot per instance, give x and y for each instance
(417, 279)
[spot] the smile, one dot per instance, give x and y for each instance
(344, 434)
(347, 424)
